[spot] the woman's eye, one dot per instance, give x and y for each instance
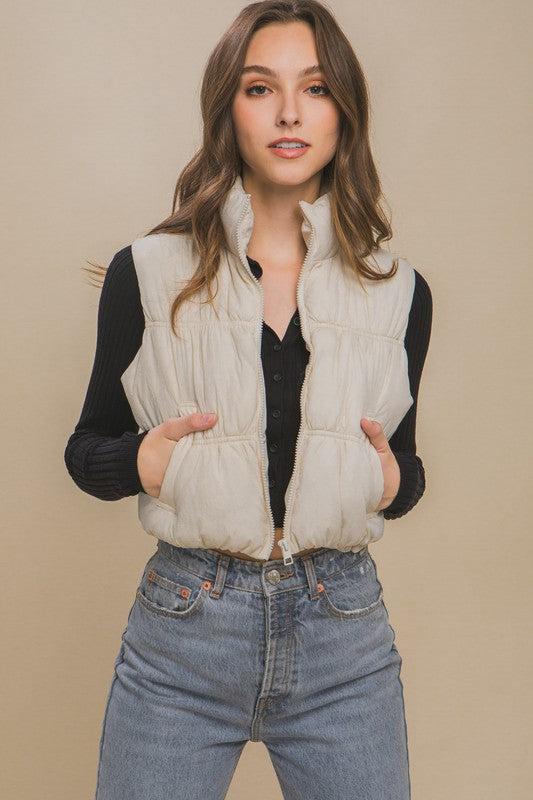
(258, 86)
(250, 91)
(317, 86)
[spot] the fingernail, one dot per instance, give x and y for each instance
(208, 417)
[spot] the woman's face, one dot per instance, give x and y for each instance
(284, 104)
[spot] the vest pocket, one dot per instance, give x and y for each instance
(181, 448)
(378, 479)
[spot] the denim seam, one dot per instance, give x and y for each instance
(181, 566)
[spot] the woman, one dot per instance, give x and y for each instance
(260, 617)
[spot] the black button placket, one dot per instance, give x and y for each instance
(272, 357)
(278, 357)
(274, 377)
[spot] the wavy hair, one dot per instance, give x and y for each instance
(357, 216)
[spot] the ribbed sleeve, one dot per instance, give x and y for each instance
(403, 440)
(101, 454)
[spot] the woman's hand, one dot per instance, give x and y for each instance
(389, 464)
(156, 448)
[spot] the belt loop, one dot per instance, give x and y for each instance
(220, 579)
(311, 576)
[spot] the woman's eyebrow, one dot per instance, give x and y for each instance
(273, 74)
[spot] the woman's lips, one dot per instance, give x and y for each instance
(289, 152)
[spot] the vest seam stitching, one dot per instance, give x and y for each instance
(336, 435)
(217, 439)
(357, 331)
(238, 323)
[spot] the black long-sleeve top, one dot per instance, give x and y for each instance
(101, 453)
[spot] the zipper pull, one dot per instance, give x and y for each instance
(287, 555)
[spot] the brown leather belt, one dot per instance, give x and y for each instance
(263, 560)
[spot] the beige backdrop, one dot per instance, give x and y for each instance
(100, 113)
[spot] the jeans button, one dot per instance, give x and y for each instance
(273, 576)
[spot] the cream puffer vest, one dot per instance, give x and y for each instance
(215, 489)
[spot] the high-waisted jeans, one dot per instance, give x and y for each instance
(219, 651)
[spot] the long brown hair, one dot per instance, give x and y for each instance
(358, 219)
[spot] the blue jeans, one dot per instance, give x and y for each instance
(219, 651)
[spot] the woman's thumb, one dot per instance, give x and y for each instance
(205, 419)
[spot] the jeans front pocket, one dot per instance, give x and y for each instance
(352, 592)
(170, 590)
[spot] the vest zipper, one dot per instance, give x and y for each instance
(285, 541)
(264, 461)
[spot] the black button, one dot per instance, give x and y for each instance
(273, 448)
(277, 347)
(296, 320)
(276, 413)
(277, 376)
(271, 483)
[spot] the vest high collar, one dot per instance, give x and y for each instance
(317, 229)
